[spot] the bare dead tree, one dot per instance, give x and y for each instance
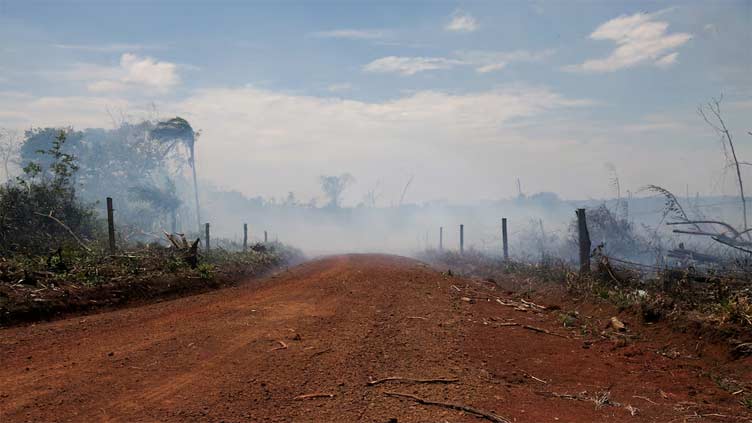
(10, 147)
(404, 190)
(717, 230)
(372, 195)
(333, 186)
(715, 121)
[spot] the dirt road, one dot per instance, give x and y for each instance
(327, 327)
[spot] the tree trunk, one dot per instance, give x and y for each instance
(195, 191)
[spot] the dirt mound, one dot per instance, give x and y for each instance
(360, 338)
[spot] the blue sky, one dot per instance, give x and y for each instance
(466, 96)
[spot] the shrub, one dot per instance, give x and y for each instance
(40, 211)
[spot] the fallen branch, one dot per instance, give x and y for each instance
(539, 330)
(282, 346)
(312, 396)
(710, 222)
(645, 398)
(532, 304)
(317, 353)
(407, 379)
(479, 413)
(721, 240)
(66, 227)
(524, 307)
(538, 379)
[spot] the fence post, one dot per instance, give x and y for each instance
(111, 225)
(266, 238)
(441, 238)
(584, 240)
(208, 244)
(504, 241)
(245, 237)
(462, 239)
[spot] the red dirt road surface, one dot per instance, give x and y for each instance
(302, 346)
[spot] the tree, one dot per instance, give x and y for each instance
(41, 210)
(178, 131)
(719, 231)
(119, 163)
(711, 113)
(10, 148)
(334, 186)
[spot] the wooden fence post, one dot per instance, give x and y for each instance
(266, 238)
(504, 241)
(111, 225)
(208, 243)
(245, 237)
(462, 239)
(441, 238)
(584, 240)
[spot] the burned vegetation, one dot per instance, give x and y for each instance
(60, 250)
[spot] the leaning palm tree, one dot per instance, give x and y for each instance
(177, 131)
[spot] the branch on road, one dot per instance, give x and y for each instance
(313, 396)
(407, 379)
(479, 413)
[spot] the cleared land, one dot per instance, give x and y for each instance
(303, 345)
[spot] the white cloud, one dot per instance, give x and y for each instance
(461, 147)
(461, 22)
(640, 39)
(133, 72)
(22, 110)
(409, 65)
(150, 72)
(483, 61)
(667, 60)
(247, 134)
(352, 34)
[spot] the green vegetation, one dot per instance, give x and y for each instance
(53, 248)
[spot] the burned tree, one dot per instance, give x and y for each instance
(174, 132)
(711, 113)
(334, 186)
(722, 232)
(10, 147)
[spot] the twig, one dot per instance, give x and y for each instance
(719, 239)
(534, 329)
(532, 304)
(312, 396)
(539, 380)
(645, 398)
(282, 346)
(70, 231)
(417, 317)
(407, 379)
(460, 407)
(317, 353)
(712, 222)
